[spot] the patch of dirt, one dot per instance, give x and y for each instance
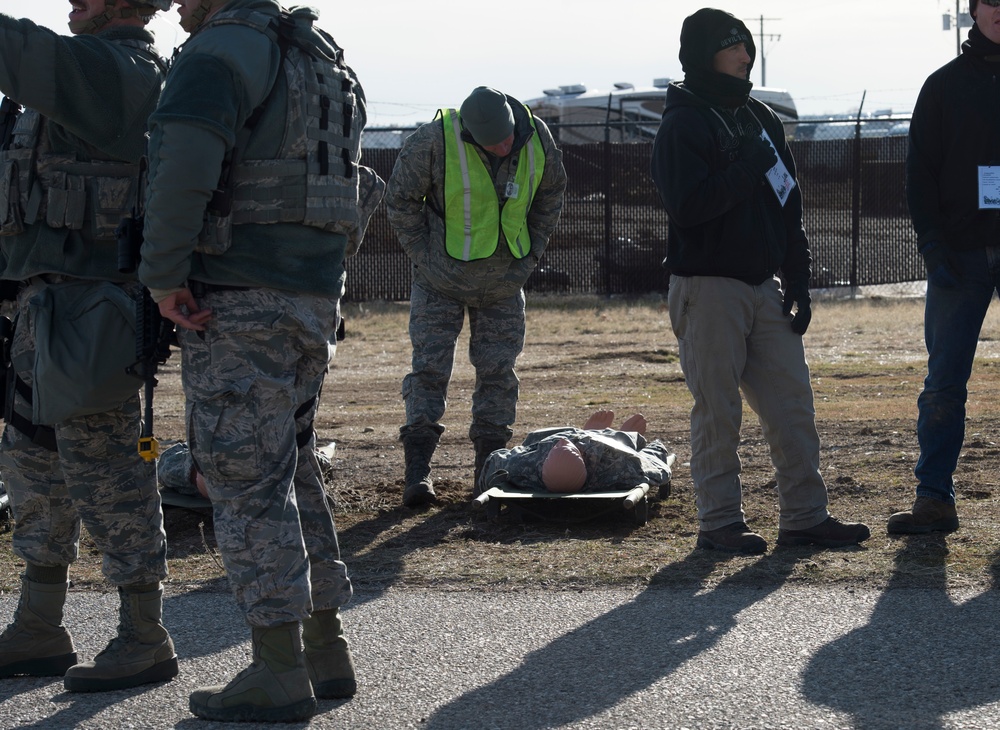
(867, 362)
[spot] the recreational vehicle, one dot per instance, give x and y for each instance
(627, 113)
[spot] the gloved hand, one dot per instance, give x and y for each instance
(797, 293)
(758, 155)
(940, 272)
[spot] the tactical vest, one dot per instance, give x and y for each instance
(472, 212)
(60, 190)
(316, 179)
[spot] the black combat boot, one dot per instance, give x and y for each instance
(417, 453)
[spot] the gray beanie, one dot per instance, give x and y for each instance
(487, 116)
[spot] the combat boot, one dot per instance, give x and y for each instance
(141, 653)
(274, 688)
(328, 656)
(36, 644)
(417, 453)
(484, 447)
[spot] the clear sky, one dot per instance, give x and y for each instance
(413, 57)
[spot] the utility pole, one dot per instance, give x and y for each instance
(961, 20)
(958, 30)
(760, 49)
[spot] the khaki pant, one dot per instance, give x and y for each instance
(733, 338)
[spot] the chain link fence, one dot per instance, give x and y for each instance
(611, 238)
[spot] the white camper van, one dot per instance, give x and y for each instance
(627, 113)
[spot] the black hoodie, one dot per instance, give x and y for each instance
(952, 133)
(725, 219)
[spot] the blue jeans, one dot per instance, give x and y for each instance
(953, 319)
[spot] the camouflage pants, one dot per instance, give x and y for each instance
(252, 382)
(496, 338)
(95, 476)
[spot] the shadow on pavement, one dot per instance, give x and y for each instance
(592, 668)
(921, 656)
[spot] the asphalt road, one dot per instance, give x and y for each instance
(664, 657)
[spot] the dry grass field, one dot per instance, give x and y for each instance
(867, 362)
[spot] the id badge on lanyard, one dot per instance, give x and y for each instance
(989, 187)
(778, 177)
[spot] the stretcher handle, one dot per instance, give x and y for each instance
(633, 497)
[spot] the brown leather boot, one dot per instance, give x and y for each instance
(926, 515)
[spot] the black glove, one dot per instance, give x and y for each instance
(758, 155)
(940, 272)
(797, 293)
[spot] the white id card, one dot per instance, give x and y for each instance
(989, 187)
(778, 176)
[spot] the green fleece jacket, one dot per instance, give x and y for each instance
(219, 77)
(95, 95)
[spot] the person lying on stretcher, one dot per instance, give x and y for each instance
(595, 458)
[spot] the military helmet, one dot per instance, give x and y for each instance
(158, 4)
(144, 9)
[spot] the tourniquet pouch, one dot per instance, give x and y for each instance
(84, 334)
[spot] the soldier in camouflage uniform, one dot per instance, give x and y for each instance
(68, 177)
(473, 246)
(255, 287)
(595, 458)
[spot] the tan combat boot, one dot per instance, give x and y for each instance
(274, 688)
(141, 653)
(328, 656)
(36, 644)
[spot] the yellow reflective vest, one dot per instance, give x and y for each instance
(473, 214)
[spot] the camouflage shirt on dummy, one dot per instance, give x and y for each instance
(616, 460)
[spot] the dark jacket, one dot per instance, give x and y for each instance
(94, 93)
(724, 219)
(220, 76)
(952, 133)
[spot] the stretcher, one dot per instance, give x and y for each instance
(634, 501)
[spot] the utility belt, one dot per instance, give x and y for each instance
(201, 288)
